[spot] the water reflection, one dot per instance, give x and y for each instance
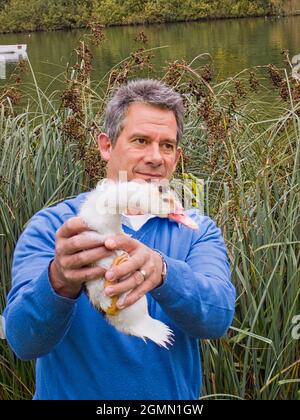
(233, 43)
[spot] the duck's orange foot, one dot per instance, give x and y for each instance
(113, 309)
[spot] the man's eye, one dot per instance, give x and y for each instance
(168, 146)
(140, 141)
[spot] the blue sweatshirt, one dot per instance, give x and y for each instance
(79, 355)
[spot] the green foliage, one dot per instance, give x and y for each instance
(149, 11)
(43, 15)
(56, 14)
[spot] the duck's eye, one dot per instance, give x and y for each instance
(162, 189)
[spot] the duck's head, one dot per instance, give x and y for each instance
(157, 199)
(112, 198)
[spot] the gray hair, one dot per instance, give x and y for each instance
(147, 91)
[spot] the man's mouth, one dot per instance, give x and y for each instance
(150, 176)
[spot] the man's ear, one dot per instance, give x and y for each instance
(104, 146)
(178, 154)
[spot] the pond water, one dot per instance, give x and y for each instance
(234, 44)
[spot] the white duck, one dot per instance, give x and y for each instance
(102, 212)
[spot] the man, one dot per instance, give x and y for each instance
(185, 274)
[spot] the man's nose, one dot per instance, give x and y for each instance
(153, 155)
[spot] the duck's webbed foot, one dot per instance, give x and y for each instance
(113, 309)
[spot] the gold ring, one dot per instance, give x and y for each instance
(143, 273)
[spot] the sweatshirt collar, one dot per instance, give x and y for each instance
(136, 222)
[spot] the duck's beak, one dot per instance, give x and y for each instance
(181, 216)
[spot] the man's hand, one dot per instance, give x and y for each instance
(141, 257)
(74, 252)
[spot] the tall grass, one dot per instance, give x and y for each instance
(254, 185)
(245, 143)
(260, 358)
(37, 169)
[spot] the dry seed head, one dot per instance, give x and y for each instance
(274, 75)
(141, 38)
(253, 82)
(97, 31)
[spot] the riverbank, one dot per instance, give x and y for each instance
(45, 15)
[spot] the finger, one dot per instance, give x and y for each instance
(81, 259)
(131, 265)
(121, 241)
(123, 286)
(79, 276)
(136, 294)
(92, 273)
(82, 241)
(71, 227)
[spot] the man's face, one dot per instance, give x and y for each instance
(146, 147)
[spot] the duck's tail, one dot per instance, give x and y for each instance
(154, 330)
(146, 328)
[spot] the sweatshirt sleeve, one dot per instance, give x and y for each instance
(36, 317)
(197, 293)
